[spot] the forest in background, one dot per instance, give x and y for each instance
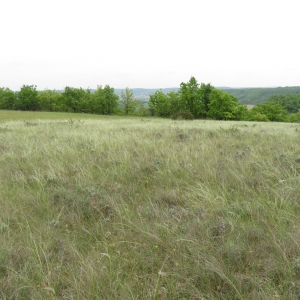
(255, 96)
(191, 101)
(248, 96)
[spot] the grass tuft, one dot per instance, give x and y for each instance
(119, 208)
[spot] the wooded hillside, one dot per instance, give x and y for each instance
(259, 95)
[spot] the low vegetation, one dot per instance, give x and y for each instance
(131, 208)
(191, 101)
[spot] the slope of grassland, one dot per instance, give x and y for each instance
(149, 209)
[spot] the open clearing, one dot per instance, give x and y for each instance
(127, 208)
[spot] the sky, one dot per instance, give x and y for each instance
(149, 44)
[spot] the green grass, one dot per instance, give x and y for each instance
(131, 208)
(9, 115)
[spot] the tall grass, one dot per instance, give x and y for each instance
(120, 208)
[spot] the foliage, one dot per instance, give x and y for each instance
(50, 100)
(206, 90)
(222, 106)
(142, 111)
(104, 101)
(290, 102)
(111, 100)
(76, 99)
(295, 118)
(241, 112)
(182, 115)
(272, 111)
(257, 116)
(128, 103)
(7, 99)
(202, 101)
(259, 95)
(191, 97)
(27, 98)
(160, 104)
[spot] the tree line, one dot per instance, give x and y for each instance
(278, 108)
(203, 101)
(199, 101)
(191, 101)
(101, 101)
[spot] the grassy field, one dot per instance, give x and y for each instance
(131, 208)
(10, 115)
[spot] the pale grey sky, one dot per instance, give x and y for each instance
(150, 44)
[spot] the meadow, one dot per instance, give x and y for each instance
(96, 207)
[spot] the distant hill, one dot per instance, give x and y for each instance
(254, 96)
(248, 96)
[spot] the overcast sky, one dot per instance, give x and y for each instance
(149, 44)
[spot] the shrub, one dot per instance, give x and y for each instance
(259, 117)
(182, 115)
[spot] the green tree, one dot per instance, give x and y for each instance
(241, 112)
(86, 101)
(142, 110)
(165, 105)
(49, 100)
(112, 100)
(7, 99)
(273, 111)
(191, 97)
(206, 90)
(104, 101)
(159, 104)
(295, 117)
(127, 101)
(27, 98)
(222, 106)
(195, 98)
(175, 101)
(290, 102)
(97, 104)
(260, 95)
(259, 117)
(75, 99)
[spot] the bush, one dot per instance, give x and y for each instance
(259, 117)
(295, 118)
(182, 115)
